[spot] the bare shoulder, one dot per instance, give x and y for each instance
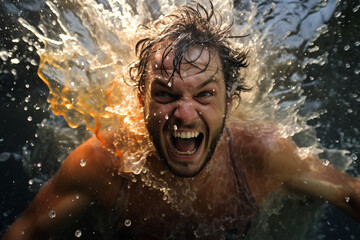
(264, 153)
(90, 169)
(255, 136)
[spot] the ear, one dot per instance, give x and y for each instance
(140, 98)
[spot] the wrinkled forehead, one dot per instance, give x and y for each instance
(196, 59)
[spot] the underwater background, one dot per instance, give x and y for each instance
(306, 66)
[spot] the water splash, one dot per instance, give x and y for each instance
(88, 45)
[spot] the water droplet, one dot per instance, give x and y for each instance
(325, 162)
(77, 196)
(337, 14)
(353, 156)
(347, 65)
(347, 199)
(356, 8)
(357, 43)
(29, 118)
(347, 47)
(52, 214)
(175, 127)
(25, 108)
(78, 233)
(169, 84)
(27, 85)
(127, 222)
(82, 162)
(166, 117)
(38, 165)
(15, 61)
(31, 182)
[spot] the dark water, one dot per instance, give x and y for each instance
(333, 86)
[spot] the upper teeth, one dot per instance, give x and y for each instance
(186, 134)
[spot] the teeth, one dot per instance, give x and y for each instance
(186, 134)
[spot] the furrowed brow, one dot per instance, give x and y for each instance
(212, 79)
(157, 81)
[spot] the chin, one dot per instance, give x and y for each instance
(186, 171)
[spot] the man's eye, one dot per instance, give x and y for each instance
(205, 94)
(163, 94)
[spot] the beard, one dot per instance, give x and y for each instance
(210, 152)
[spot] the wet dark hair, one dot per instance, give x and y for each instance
(190, 25)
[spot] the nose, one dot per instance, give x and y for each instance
(186, 112)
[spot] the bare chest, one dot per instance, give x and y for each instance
(150, 209)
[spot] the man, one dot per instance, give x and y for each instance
(208, 174)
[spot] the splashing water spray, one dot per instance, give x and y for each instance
(89, 44)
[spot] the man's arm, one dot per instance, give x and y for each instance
(68, 193)
(308, 175)
(272, 161)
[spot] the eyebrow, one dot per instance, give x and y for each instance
(158, 81)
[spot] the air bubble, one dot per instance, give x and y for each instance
(347, 199)
(337, 14)
(29, 118)
(31, 182)
(82, 163)
(127, 222)
(78, 233)
(52, 214)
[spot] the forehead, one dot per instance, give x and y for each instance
(196, 59)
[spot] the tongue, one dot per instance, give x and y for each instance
(184, 145)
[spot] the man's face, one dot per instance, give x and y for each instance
(185, 117)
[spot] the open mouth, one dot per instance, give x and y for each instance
(186, 143)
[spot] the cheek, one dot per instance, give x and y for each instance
(156, 114)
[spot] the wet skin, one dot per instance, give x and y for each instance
(196, 104)
(185, 116)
